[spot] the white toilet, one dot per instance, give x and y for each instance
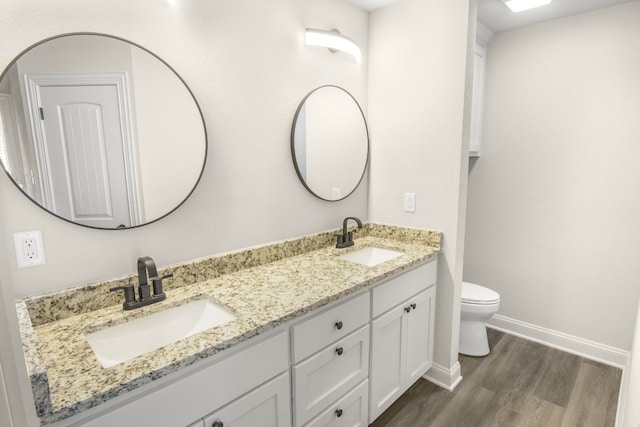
(477, 306)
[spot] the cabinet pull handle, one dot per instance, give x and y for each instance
(407, 309)
(413, 305)
(217, 424)
(339, 325)
(339, 350)
(338, 413)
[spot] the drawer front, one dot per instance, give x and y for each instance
(329, 326)
(329, 374)
(267, 406)
(350, 411)
(400, 288)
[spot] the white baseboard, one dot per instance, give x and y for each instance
(571, 344)
(443, 377)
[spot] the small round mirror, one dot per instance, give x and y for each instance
(330, 143)
(99, 131)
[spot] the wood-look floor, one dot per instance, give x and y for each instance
(520, 383)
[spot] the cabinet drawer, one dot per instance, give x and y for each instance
(349, 411)
(330, 373)
(401, 288)
(329, 326)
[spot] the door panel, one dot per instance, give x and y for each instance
(84, 153)
(387, 366)
(419, 346)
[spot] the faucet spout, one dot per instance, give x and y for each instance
(146, 268)
(346, 238)
(346, 220)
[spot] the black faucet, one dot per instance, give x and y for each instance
(146, 271)
(346, 238)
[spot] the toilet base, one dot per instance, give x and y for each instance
(473, 338)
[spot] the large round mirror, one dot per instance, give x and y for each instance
(330, 143)
(99, 131)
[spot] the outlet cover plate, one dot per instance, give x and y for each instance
(409, 202)
(29, 248)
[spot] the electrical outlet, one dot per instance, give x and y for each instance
(409, 202)
(29, 248)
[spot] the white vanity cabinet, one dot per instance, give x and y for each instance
(401, 335)
(328, 384)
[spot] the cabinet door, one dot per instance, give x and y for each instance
(419, 343)
(266, 406)
(387, 364)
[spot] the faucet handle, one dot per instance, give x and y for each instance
(157, 283)
(129, 294)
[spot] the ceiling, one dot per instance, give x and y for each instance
(497, 17)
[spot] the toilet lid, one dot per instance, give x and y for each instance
(476, 294)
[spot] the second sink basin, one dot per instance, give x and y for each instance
(123, 342)
(370, 256)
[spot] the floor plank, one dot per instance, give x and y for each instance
(519, 384)
(558, 377)
(594, 383)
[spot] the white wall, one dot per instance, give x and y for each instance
(554, 201)
(247, 65)
(418, 110)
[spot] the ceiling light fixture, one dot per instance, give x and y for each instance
(332, 40)
(520, 5)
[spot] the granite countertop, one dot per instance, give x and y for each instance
(262, 291)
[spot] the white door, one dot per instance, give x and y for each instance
(85, 155)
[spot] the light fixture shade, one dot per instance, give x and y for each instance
(520, 5)
(332, 40)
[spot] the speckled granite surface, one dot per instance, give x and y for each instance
(264, 287)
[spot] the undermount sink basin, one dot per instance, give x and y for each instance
(370, 256)
(123, 342)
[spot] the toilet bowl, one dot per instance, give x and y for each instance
(478, 304)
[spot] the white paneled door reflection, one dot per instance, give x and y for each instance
(84, 154)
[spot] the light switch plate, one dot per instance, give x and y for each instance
(29, 248)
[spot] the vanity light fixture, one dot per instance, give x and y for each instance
(332, 40)
(520, 5)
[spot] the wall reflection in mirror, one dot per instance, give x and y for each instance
(99, 131)
(330, 143)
